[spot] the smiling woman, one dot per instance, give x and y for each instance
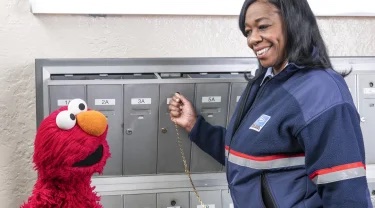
(290, 36)
(282, 147)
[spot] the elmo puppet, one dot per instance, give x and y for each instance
(70, 146)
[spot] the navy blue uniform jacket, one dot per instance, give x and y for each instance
(300, 140)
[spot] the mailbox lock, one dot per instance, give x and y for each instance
(129, 131)
(164, 130)
(173, 202)
(371, 84)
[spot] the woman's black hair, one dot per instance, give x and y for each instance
(304, 43)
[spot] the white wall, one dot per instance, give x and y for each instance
(24, 37)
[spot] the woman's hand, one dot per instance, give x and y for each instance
(182, 112)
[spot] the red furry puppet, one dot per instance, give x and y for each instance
(70, 146)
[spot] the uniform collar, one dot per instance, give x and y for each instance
(269, 73)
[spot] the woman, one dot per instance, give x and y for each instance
(295, 138)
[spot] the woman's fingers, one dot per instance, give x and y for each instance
(174, 111)
(174, 105)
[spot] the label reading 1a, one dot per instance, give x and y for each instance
(140, 101)
(105, 102)
(211, 99)
(63, 102)
(206, 206)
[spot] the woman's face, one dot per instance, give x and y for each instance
(265, 34)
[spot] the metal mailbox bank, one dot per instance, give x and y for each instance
(146, 168)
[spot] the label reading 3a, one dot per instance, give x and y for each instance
(63, 102)
(105, 102)
(211, 99)
(206, 206)
(141, 101)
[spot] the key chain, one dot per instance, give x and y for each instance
(179, 141)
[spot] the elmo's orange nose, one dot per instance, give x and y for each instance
(92, 122)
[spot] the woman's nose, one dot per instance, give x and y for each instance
(253, 38)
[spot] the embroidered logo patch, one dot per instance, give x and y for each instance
(260, 122)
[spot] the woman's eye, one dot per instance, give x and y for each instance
(263, 27)
(76, 106)
(248, 32)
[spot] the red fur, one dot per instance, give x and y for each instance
(59, 184)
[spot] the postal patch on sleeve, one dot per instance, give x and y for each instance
(260, 123)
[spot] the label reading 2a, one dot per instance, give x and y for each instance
(105, 102)
(211, 99)
(141, 101)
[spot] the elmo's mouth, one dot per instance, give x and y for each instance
(92, 159)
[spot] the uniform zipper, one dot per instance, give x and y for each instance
(268, 199)
(247, 92)
(239, 114)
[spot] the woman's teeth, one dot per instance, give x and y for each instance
(263, 51)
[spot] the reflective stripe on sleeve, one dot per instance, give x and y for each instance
(339, 173)
(265, 162)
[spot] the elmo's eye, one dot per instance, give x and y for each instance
(77, 106)
(66, 120)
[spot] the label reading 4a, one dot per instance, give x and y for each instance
(141, 101)
(105, 102)
(206, 206)
(211, 99)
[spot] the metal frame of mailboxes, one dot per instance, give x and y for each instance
(178, 71)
